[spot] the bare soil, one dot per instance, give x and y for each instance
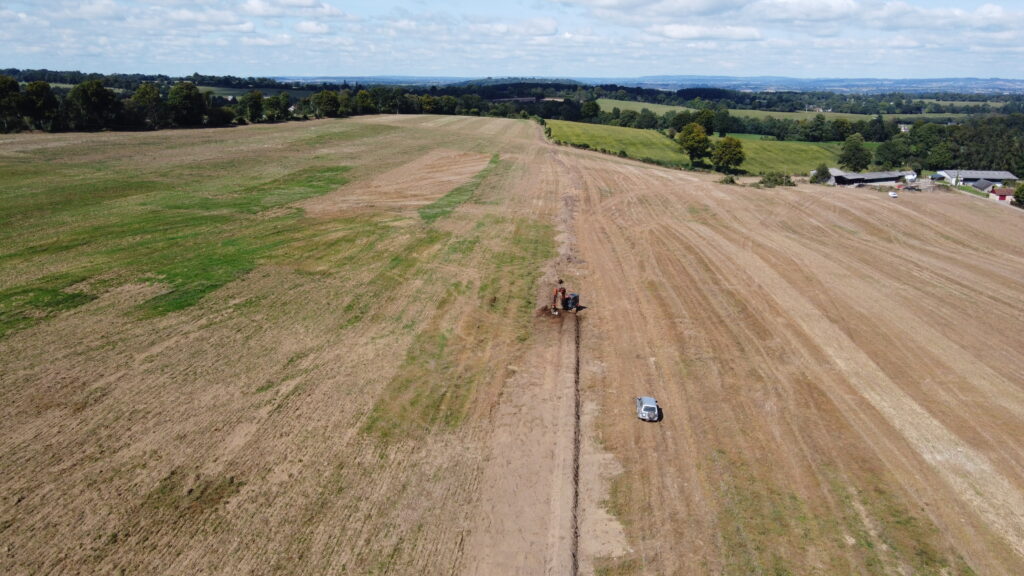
(836, 371)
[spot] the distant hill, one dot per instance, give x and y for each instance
(841, 85)
(754, 83)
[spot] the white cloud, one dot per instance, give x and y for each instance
(298, 8)
(278, 40)
(693, 32)
(310, 27)
(205, 16)
(804, 10)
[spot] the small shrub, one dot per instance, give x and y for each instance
(821, 175)
(773, 179)
(729, 179)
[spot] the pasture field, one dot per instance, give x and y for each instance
(321, 347)
(613, 139)
(659, 109)
(761, 155)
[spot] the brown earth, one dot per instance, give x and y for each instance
(835, 367)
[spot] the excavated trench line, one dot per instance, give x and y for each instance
(575, 546)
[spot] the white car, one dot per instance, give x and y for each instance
(647, 409)
(893, 194)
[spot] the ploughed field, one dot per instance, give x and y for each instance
(316, 348)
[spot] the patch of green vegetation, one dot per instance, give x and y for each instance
(52, 198)
(292, 187)
(194, 242)
(440, 375)
(25, 305)
(973, 190)
(607, 104)
(176, 496)
(645, 145)
(788, 157)
(447, 204)
(512, 273)
(886, 533)
(761, 525)
(651, 146)
(346, 132)
(401, 266)
(617, 567)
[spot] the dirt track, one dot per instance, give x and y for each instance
(836, 370)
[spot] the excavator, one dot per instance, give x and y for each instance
(568, 302)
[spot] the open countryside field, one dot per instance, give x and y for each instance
(761, 155)
(634, 142)
(607, 104)
(367, 389)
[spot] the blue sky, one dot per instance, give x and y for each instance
(563, 38)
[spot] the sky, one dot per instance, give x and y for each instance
(532, 38)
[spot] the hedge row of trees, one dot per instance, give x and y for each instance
(993, 142)
(92, 106)
(719, 120)
(892, 103)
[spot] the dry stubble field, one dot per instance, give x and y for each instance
(313, 348)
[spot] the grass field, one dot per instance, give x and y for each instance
(788, 157)
(637, 144)
(762, 155)
(659, 109)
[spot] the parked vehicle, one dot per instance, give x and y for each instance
(893, 194)
(647, 409)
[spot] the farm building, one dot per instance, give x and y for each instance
(842, 178)
(969, 177)
(1001, 194)
(983, 185)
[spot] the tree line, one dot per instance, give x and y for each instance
(719, 120)
(870, 104)
(90, 105)
(985, 142)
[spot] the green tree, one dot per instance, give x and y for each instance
(694, 141)
(41, 105)
(325, 104)
(590, 110)
(251, 106)
(841, 129)
(346, 106)
(646, 120)
(147, 105)
(817, 129)
(1018, 196)
(364, 103)
(276, 108)
(722, 122)
(727, 154)
(893, 153)
(90, 106)
(855, 155)
(821, 174)
(186, 104)
(10, 104)
(706, 118)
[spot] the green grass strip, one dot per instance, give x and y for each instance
(447, 204)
